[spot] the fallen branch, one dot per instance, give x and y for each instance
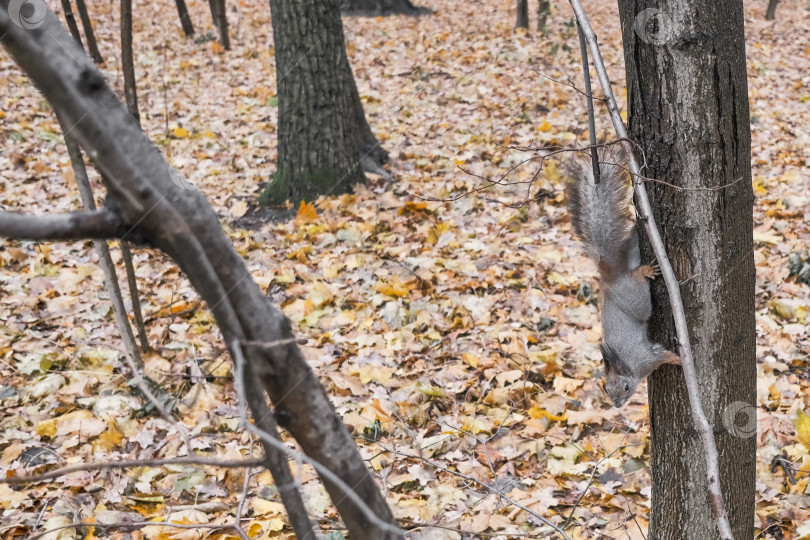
(127, 463)
(673, 288)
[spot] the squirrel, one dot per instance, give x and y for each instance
(602, 216)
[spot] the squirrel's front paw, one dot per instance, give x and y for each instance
(650, 271)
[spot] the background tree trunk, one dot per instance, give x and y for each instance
(373, 8)
(71, 22)
(688, 109)
(522, 14)
(770, 14)
(89, 35)
(219, 15)
(318, 142)
(127, 63)
(185, 19)
(543, 13)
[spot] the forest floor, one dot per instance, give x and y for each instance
(452, 323)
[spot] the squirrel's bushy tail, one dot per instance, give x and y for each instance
(602, 214)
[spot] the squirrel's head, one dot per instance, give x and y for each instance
(620, 382)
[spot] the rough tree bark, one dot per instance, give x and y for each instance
(185, 18)
(522, 14)
(151, 205)
(89, 34)
(324, 141)
(219, 14)
(376, 8)
(688, 109)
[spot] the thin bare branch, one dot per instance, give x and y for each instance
(72, 226)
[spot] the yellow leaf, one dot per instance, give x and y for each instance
(109, 439)
(217, 48)
(414, 207)
(395, 287)
(472, 360)
(47, 428)
(537, 413)
(544, 127)
(381, 374)
(306, 213)
(180, 133)
(802, 425)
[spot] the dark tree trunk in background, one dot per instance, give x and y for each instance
(127, 63)
(323, 136)
(185, 19)
(219, 15)
(522, 14)
(771, 13)
(688, 109)
(372, 8)
(71, 22)
(89, 35)
(543, 13)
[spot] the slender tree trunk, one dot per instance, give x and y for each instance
(522, 14)
(71, 22)
(688, 109)
(318, 146)
(131, 93)
(127, 62)
(543, 13)
(771, 13)
(185, 18)
(89, 35)
(219, 15)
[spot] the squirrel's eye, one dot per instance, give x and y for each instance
(626, 387)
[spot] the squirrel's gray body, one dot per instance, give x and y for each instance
(602, 218)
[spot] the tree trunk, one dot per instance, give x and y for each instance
(771, 13)
(375, 8)
(318, 142)
(150, 205)
(219, 15)
(71, 22)
(89, 35)
(127, 62)
(522, 14)
(543, 13)
(688, 109)
(185, 19)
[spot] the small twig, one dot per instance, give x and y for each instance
(127, 463)
(586, 73)
(132, 525)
